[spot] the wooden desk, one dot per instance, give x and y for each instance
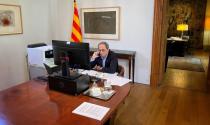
(124, 54)
(177, 46)
(31, 103)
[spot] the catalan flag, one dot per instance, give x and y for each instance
(76, 35)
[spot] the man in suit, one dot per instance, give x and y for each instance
(104, 59)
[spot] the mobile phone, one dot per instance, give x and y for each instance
(98, 53)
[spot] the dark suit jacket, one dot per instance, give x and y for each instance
(111, 63)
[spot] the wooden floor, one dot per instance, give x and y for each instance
(182, 99)
(188, 79)
(185, 79)
(164, 106)
(204, 56)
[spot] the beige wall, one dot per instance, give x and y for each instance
(136, 28)
(44, 20)
(13, 68)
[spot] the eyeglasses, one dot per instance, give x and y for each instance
(101, 50)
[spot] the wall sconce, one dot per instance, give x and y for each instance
(182, 28)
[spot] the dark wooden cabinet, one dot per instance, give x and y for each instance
(176, 47)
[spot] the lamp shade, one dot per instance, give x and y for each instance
(182, 27)
(207, 23)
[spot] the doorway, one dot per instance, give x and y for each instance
(159, 46)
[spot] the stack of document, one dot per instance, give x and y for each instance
(112, 78)
(91, 110)
(117, 80)
(50, 62)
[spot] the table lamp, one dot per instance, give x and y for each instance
(207, 31)
(207, 23)
(182, 28)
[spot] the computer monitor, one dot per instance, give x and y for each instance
(77, 53)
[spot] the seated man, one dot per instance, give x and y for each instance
(104, 60)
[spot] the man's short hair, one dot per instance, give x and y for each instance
(104, 43)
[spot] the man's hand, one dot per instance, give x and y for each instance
(95, 55)
(97, 68)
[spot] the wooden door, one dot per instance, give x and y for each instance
(159, 42)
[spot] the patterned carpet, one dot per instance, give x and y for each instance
(185, 63)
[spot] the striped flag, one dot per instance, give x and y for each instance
(76, 35)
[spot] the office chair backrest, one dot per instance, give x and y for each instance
(121, 71)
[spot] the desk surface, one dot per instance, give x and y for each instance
(177, 39)
(32, 103)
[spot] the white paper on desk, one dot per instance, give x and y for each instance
(91, 110)
(97, 74)
(118, 81)
(107, 75)
(90, 72)
(113, 78)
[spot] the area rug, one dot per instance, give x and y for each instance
(185, 63)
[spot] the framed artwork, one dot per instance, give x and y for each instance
(10, 19)
(101, 23)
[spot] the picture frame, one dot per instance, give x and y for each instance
(10, 19)
(101, 23)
